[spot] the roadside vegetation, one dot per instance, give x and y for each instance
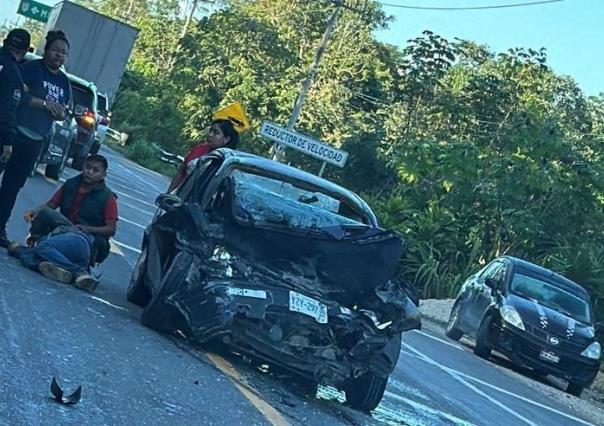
(467, 152)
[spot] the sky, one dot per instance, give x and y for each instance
(572, 31)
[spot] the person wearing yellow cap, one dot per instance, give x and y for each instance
(222, 133)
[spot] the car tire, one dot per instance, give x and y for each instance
(138, 293)
(482, 348)
(365, 392)
(452, 332)
(54, 171)
(157, 315)
(574, 389)
(78, 163)
(95, 148)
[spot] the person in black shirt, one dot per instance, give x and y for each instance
(12, 52)
(48, 94)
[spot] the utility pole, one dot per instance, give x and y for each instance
(184, 31)
(185, 28)
(129, 11)
(278, 151)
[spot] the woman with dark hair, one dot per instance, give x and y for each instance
(222, 134)
(47, 95)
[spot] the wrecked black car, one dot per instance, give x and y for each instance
(280, 264)
(535, 317)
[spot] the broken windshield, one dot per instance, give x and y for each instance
(263, 199)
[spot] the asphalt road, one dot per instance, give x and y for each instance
(132, 375)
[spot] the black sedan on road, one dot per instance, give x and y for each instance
(280, 264)
(535, 317)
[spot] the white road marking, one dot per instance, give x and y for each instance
(62, 180)
(522, 398)
(453, 373)
(98, 299)
(421, 407)
(123, 194)
(138, 209)
(113, 183)
(137, 177)
(438, 339)
(126, 246)
(458, 375)
(138, 225)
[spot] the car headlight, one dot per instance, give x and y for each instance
(511, 316)
(593, 351)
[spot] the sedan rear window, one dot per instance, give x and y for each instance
(551, 296)
(270, 200)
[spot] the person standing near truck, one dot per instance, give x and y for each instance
(48, 94)
(12, 52)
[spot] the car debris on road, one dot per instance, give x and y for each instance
(59, 394)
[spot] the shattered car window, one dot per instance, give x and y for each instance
(270, 200)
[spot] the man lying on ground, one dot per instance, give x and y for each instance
(67, 243)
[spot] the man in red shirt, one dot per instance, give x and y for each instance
(88, 219)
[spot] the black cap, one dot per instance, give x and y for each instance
(18, 39)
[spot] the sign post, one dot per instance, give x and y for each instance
(305, 144)
(34, 10)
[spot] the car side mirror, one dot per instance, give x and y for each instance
(491, 283)
(168, 202)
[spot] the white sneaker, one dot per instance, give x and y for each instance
(52, 271)
(86, 282)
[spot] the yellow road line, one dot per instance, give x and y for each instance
(267, 410)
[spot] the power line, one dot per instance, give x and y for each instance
(501, 6)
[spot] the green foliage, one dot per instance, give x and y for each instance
(466, 152)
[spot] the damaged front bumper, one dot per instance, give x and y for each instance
(315, 337)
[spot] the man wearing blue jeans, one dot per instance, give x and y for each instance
(71, 240)
(62, 251)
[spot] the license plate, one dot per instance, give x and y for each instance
(308, 306)
(549, 356)
(246, 292)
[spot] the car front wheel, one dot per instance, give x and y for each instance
(157, 315)
(574, 389)
(452, 331)
(366, 391)
(482, 347)
(138, 293)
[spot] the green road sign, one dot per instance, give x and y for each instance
(34, 10)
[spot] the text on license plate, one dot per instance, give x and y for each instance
(549, 356)
(307, 306)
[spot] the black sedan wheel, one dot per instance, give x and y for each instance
(482, 348)
(574, 389)
(138, 293)
(365, 392)
(157, 315)
(452, 331)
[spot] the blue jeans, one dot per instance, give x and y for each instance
(70, 251)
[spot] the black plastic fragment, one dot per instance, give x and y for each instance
(58, 394)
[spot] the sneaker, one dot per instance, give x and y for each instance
(4, 242)
(86, 282)
(52, 271)
(14, 249)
